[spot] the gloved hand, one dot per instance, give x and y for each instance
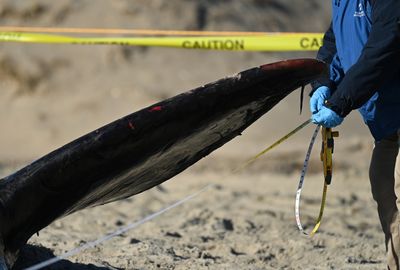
(318, 98)
(326, 118)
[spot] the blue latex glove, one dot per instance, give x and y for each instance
(326, 118)
(318, 98)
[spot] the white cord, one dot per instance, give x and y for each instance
(116, 233)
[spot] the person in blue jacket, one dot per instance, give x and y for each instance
(362, 48)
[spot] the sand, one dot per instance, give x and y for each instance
(52, 94)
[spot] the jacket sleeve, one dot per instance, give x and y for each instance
(379, 60)
(328, 54)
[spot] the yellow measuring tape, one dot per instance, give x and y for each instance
(266, 42)
(275, 144)
(327, 152)
(326, 158)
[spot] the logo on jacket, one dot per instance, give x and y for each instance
(360, 12)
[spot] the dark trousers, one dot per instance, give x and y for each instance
(384, 174)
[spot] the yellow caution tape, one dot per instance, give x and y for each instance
(119, 31)
(277, 42)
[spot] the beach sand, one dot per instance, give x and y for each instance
(52, 94)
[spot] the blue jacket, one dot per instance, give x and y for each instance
(362, 47)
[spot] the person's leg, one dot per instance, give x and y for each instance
(394, 247)
(382, 177)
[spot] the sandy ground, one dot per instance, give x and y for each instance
(50, 95)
